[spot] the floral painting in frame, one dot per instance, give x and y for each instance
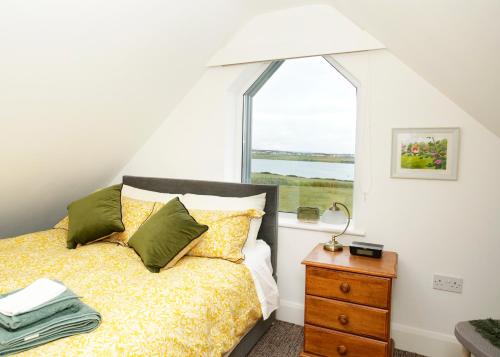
(425, 153)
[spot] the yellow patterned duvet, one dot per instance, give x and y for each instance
(201, 307)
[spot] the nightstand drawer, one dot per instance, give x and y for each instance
(352, 287)
(323, 342)
(344, 316)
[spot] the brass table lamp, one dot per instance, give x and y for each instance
(334, 215)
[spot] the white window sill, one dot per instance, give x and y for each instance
(289, 220)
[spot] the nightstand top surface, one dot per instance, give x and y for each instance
(386, 266)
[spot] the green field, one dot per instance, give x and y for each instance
(297, 156)
(299, 191)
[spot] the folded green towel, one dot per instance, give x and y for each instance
(64, 323)
(489, 329)
(66, 300)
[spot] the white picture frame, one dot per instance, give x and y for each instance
(425, 153)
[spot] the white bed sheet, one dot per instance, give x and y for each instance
(258, 261)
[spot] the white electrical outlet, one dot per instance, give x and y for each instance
(448, 283)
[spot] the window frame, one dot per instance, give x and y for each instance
(248, 95)
(246, 155)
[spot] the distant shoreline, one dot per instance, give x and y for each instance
(300, 156)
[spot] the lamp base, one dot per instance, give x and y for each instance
(333, 246)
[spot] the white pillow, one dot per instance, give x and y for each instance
(145, 195)
(207, 202)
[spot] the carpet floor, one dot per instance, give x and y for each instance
(285, 339)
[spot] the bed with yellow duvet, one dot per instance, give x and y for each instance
(200, 307)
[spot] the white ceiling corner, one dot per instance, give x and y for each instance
(453, 44)
(298, 31)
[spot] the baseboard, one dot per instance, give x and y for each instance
(425, 342)
(291, 311)
(407, 338)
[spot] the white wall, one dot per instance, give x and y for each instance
(435, 226)
(294, 32)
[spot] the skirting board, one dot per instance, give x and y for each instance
(407, 338)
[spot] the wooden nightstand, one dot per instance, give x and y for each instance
(348, 304)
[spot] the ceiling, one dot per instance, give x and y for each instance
(453, 44)
(85, 83)
(311, 30)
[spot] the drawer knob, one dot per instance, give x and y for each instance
(345, 288)
(342, 350)
(343, 319)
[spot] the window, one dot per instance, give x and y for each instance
(299, 132)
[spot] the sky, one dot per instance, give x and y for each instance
(306, 106)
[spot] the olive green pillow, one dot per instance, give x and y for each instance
(94, 217)
(167, 236)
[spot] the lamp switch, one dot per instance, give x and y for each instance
(448, 283)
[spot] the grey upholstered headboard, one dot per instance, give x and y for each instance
(269, 228)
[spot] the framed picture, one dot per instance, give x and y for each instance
(425, 153)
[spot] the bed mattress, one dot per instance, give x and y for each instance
(201, 307)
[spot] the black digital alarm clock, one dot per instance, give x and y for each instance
(366, 249)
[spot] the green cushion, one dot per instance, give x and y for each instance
(96, 216)
(167, 236)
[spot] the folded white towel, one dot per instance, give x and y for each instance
(32, 296)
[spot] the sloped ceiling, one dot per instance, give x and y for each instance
(84, 83)
(315, 29)
(453, 44)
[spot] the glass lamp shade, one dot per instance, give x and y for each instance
(334, 216)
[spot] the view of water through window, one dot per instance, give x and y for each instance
(303, 134)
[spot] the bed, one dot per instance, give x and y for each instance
(201, 307)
